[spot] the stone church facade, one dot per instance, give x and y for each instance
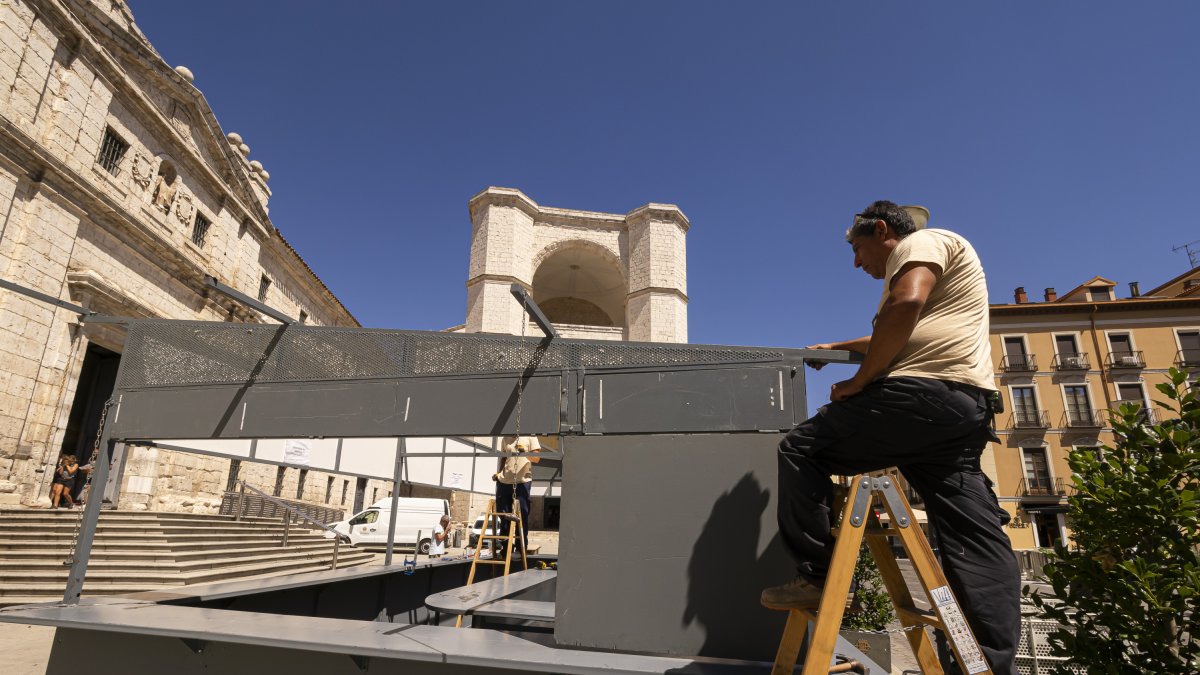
(119, 192)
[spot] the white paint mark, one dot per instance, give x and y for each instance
(407, 402)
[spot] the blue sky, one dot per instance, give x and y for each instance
(1060, 138)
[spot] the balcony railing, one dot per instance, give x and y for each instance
(1091, 419)
(1145, 414)
(1044, 487)
(1071, 362)
(1188, 358)
(1018, 363)
(1126, 360)
(1030, 419)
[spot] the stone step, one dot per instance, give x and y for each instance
(135, 544)
(53, 582)
(127, 516)
(14, 530)
(209, 559)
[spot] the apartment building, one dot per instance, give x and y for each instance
(1061, 365)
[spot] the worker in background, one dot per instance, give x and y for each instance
(922, 401)
(514, 477)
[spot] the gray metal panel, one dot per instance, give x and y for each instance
(716, 400)
(464, 600)
(384, 408)
(528, 610)
(666, 543)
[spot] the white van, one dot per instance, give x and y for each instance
(370, 527)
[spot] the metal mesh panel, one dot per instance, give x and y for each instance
(178, 353)
(1034, 651)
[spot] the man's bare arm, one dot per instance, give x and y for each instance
(857, 345)
(894, 325)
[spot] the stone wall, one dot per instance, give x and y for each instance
(109, 239)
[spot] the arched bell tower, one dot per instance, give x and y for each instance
(595, 275)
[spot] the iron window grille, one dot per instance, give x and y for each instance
(200, 229)
(1018, 363)
(264, 285)
(1127, 359)
(1083, 418)
(1071, 362)
(112, 150)
(1029, 419)
(1188, 358)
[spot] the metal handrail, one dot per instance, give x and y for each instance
(338, 537)
(1187, 358)
(1058, 487)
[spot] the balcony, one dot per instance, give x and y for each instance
(1188, 358)
(1044, 487)
(1084, 419)
(1029, 419)
(1125, 360)
(1072, 362)
(1145, 414)
(1018, 363)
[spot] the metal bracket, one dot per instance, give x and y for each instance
(862, 500)
(526, 300)
(892, 496)
(197, 646)
(241, 297)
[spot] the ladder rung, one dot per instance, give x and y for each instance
(915, 615)
(485, 561)
(495, 536)
(870, 531)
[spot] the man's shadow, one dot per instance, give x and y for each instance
(726, 576)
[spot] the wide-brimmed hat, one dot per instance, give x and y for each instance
(919, 215)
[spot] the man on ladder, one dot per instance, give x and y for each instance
(923, 400)
(514, 478)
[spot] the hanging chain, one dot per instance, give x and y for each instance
(86, 492)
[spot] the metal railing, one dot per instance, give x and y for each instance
(1091, 419)
(1071, 362)
(288, 512)
(1188, 358)
(240, 505)
(1044, 487)
(1029, 419)
(1126, 360)
(1013, 363)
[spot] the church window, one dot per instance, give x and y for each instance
(112, 149)
(200, 229)
(303, 316)
(264, 285)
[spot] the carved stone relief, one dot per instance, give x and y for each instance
(184, 208)
(142, 170)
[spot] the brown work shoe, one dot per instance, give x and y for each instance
(799, 593)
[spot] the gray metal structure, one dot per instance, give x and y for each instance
(699, 421)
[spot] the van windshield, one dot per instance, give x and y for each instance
(365, 518)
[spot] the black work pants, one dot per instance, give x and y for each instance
(933, 431)
(504, 503)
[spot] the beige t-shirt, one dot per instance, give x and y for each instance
(950, 340)
(514, 470)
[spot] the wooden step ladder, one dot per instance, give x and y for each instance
(515, 533)
(857, 520)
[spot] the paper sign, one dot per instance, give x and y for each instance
(958, 631)
(297, 451)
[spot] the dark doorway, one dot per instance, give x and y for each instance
(551, 508)
(97, 378)
(1047, 530)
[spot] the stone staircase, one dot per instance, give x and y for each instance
(143, 551)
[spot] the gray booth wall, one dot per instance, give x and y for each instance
(666, 543)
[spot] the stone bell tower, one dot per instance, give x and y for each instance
(596, 275)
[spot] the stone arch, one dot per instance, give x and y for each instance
(580, 282)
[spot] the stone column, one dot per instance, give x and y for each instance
(501, 254)
(656, 307)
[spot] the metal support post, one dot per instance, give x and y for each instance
(387, 558)
(237, 514)
(535, 312)
(337, 541)
(87, 527)
(287, 526)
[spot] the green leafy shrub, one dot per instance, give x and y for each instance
(1129, 586)
(871, 597)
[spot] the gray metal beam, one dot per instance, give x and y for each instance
(50, 299)
(241, 297)
(530, 306)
